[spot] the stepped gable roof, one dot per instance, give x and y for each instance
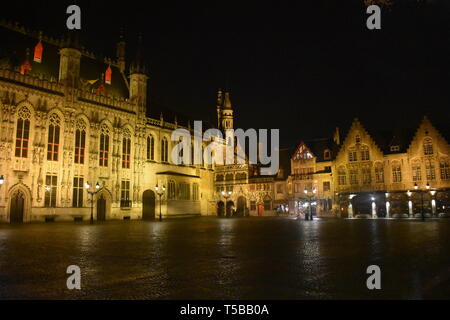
(16, 40)
(318, 147)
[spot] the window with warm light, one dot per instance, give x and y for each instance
(51, 187)
(22, 133)
(125, 201)
(53, 138)
(77, 196)
(104, 146)
(126, 153)
(80, 143)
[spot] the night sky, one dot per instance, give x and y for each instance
(303, 68)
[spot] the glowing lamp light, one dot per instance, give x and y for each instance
(87, 185)
(156, 188)
(305, 191)
(2, 180)
(416, 186)
(229, 192)
(97, 186)
(47, 188)
(409, 193)
(223, 193)
(427, 186)
(314, 190)
(433, 192)
(372, 198)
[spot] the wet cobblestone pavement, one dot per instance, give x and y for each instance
(211, 258)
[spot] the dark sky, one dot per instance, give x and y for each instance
(303, 68)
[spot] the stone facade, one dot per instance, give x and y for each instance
(57, 134)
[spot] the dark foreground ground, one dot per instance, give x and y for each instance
(211, 258)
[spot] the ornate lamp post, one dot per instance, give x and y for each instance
(160, 192)
(309, 195)
(92, 193)
(227, 196)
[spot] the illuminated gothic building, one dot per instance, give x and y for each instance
(70, 118)
(401, 173)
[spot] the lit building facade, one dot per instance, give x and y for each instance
(69, 118)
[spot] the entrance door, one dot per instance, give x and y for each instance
(17, 207)
(220, 209)
(148, 205)
(101, 209)
(260, 210)
(241, 205)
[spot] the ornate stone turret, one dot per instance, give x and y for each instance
(227, 113)
(138, 80)
(69, 66)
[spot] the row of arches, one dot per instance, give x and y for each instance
(229, 209)
(19, 206)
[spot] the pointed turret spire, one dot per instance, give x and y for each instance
(227, 101)
(138, 65)
(120, 52)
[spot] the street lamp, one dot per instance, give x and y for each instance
(2, 180)
(160, 192)
(92, 193)
(226, 195)
(309, 195)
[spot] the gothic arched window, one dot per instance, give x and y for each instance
(53, 137)
(80, 141)
(150, 148)
(23, 132)
(164, 150)
(104, 146)
(126, 151)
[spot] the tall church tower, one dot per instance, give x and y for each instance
(224, 111)
(138, 80)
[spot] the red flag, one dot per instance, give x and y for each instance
(108, 75)
(38, 52)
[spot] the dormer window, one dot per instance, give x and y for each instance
(327, 154)
(395, 148)
(358, 138)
